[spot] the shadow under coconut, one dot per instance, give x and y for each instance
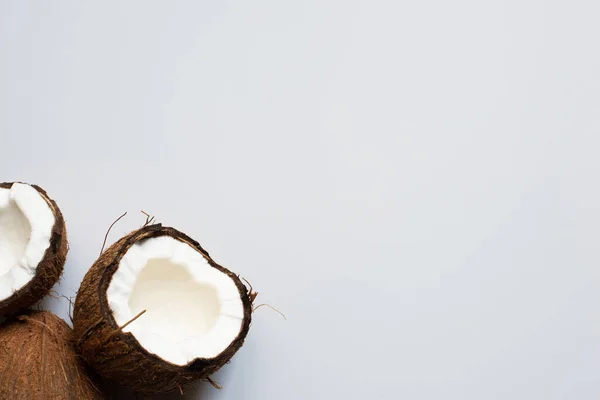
(58, 305)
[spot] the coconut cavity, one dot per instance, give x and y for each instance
(155, 312)
(15, 232)
(33, 245)
(192, 310)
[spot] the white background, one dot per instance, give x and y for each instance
(414, 183)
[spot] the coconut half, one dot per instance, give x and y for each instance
(33, 245)
(155, 312)
(38, 361)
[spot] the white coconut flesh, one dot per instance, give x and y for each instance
(26, 222)
(192, 310)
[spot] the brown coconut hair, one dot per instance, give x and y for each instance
(49, 270)
(117, 355)
(38, 361)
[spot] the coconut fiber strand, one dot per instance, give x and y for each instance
(117, 355)
(38, 361)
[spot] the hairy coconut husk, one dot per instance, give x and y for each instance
(117, 355)
(48, 270)
(38, 361)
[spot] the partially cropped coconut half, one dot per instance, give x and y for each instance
(33, 245)
(38, 361)
(155, 312)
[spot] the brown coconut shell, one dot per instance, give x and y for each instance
(118, 356)
(48, 270)
(38, 361)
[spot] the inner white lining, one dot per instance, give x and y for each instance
(26, 222)
(192, 309)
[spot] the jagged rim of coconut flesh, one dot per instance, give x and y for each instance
(26, 222)
(192, 310)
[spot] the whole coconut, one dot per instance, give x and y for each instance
(38, 361)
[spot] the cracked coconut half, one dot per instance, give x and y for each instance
(33, 245)
(155, 312)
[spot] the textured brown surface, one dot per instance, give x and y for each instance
(38, 361)
(48, 270)
(118, 356)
